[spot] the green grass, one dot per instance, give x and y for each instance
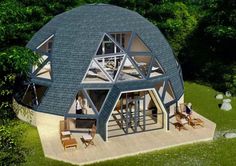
(218, 152)
(35, 155)
(204, 102)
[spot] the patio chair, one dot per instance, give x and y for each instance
(195, 122)
(180, 122)
(64, 130)
(88, 138)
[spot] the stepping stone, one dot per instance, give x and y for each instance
(219, 96)
(226, 106)
(230, 135)
(228, 94)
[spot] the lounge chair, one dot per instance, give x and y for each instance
(88, 138)
(180, 122)
(64, 130)
(69, 143)
(195, 122)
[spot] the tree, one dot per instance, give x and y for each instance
(15, 62)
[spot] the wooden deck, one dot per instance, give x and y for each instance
(121, 146)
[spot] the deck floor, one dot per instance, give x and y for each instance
(121, 146)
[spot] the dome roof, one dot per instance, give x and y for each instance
(77, 35)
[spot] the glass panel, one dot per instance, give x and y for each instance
(156, 69)
(30, 98)
(95, 74)
(135, 112)
(45, 71)
(143, 62)
(160, 87)
(122, 38)
(137, 45)
(128, 72)
(107, 46)
(39, 62)
(169, 94)
(111, 64)
(33, 95)
(98, 97)
(81, 105)
(46, 46)
(40, 91)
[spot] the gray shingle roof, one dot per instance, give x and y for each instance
(77, 34)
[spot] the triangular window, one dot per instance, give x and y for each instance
(107, 46)
(122, 38)
(45, 71)
(46, 46)
(128, 71)
(111, 64)
(98, 97)
(95, 74)
(40, 61)
(169, 94)
(143, 63)
(160, 87)
(81, 105)
(33, 95)
(156, 69)
(137, 45)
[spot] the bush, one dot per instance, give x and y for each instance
(11, 150)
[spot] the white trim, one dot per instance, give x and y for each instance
(45, 41)
(158, 99)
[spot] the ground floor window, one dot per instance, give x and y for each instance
(31, 95)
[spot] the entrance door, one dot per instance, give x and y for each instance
(133, 113)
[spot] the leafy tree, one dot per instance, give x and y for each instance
(15, 63)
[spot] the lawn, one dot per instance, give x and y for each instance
(218, 152)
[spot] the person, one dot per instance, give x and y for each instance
(189, 109)
(79, 108)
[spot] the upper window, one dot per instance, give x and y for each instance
(46, 46)
(122, 38)
(108, 46)
(111, 62)
(137, 45)
(42, 68)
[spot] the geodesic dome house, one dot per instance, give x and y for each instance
(106, 65)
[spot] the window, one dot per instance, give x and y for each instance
(143, 63)
(32, 95)
(81, 105)
(160, 87)
(169, 94)
(98, 97)
(137, 45)
(95, 74)
(156, 69)
(107, 46)
(122, 38)
(45, 71)
(128, 71)
(111, 64)
(46, 46)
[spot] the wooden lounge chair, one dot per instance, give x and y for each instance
(180, 122)
(64, 130)
(69, 143)
(195, 122)
(88, 138)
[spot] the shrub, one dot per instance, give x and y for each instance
(11, 150)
